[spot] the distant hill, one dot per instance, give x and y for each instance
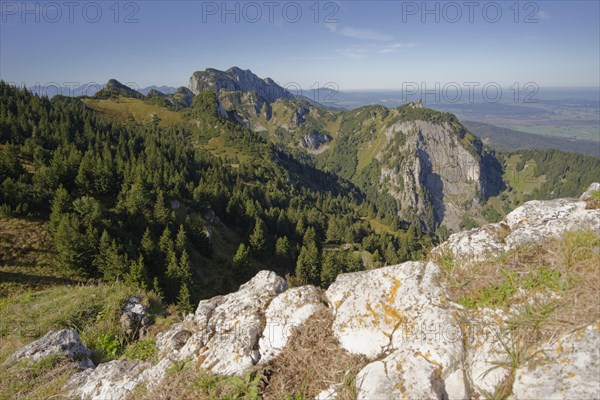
(505, 139)
(115, 88)
(162, 89)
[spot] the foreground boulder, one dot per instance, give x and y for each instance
(286, 312)
(65, 342)
(112, 380)
(534, 221)
(134, 321)
(401, 316)
(222, 335)
(565, 369)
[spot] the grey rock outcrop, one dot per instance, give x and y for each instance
(416, 342)
(236, 79)
(286, 312)
(402, 319)
(565, 369)
(314, 140)
(223, 334)
(65, 342)
(433, 174)
(134, 321)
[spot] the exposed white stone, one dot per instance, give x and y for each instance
(65, 342)
(566, 369)
(487, 343)
(401, 313)
(376, 311)
(327, 394)
(533, 222)
(113, 380)
(594, 187)
(285, 313)
(222, 335)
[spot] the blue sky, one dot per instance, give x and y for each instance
(362, 45)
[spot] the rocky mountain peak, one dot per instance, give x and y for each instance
(236, 79)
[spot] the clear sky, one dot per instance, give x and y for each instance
(356, 44)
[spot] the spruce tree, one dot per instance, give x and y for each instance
(137, 276)
(181, 239)
(165, 243)
(258, 239)
(161, 213)
(184, 303)
(185, 270)
(242, 255)
(282, 247)
(60, 205)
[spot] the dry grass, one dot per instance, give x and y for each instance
(312, 362)
(593, 202)
(123, 108)
(40, 381)
(555, 283)
(26, 250)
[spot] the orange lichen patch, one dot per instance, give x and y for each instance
(392, 315)
(571, 375)
(564, 361)
(374, 313)
(427, 357)
(394, 290)
(400, 386)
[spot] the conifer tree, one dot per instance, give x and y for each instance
(242, 255)
(258, 239)
(184, 303)
(60, 205)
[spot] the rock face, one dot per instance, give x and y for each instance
(236, 79)
(532, 222)
(62, 343)
(434, 173)
(314, 140)
(223, 333)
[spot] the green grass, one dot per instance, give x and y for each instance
(93, 310)
(123, 108)
(217, 147)
(522, 181)
(368, 151)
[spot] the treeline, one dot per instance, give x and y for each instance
(131, 202)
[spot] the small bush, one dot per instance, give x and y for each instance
(144, 349)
